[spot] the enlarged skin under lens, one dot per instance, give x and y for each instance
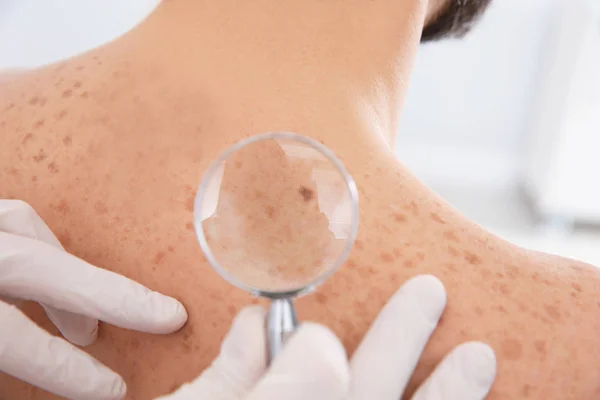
(265, 232)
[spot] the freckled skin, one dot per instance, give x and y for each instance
(131, 130)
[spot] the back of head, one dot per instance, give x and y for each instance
(454, 19)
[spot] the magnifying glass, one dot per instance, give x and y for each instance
(276, 215)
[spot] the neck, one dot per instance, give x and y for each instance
(325, 62)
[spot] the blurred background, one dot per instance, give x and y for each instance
(504, 124)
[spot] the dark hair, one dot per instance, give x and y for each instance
(455, 19)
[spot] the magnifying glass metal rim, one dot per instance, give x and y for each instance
(198, 203)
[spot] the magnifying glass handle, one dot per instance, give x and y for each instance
(281, 324)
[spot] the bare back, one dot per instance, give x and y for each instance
(109, 148)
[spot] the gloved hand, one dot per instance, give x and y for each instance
(313, 363)
(34, 266)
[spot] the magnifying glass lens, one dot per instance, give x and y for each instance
(276, 214)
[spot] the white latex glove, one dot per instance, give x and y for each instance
(313, 364)
(75, 295)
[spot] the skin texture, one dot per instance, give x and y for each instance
(110, 146)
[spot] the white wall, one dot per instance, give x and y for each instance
(563, 165)
(37, 32)
(469, 100)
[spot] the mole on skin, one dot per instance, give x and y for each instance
(53, 168)
(350, 264)
(472, 258)
(435, 217)
(451, 236)
(27, 138)
(527, 390)
(387, 257)
(400, 217)
(540, 346)
(41, 156)
(512, 349)
(159, 257)
(306, 193)
(61, 114)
